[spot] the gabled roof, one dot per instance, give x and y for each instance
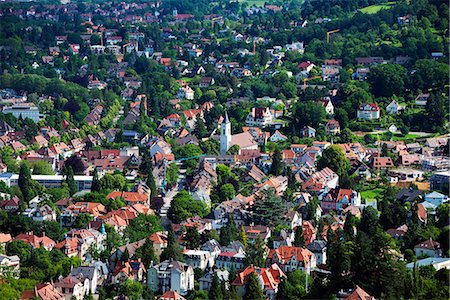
(359, 294)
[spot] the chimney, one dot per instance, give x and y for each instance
(43, 234)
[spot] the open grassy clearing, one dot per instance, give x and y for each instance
(373, 9)
(372, 194)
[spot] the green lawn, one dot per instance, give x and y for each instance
(254, 2)
(372, 194)
(373, 9)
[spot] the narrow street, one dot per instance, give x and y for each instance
(170, 194)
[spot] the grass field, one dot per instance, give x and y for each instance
(373, 9)
(372, 194)
(254, 2)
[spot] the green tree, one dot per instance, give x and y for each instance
(82, 220)
(192, 238)
(299, 239)
(200, 130)
(387, 80)
(24, 183)
(436, 110)
(277, 163)
(132, 289)
(42, 167)
(151, 183)
(70, 180)
(243, 237)
(268, 209)
(146, 253)
(173, 250)
(256, 253)
(95, 187)
(142, 227)
(334, 158)
(227, 192)
(253, 290)
(215, 292)
(229, 232)
(184, 206)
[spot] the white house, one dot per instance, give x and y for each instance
(429, 247)
(198, 258)
(394, 108)
(328, 105)
(259, 117)
(368, 111)
(171, 275)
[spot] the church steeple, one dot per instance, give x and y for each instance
(225, 135)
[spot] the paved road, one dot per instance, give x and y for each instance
(169, 196)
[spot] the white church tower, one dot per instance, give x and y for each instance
(225, 135)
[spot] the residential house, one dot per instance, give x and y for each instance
(422, 99)
(330, 74)
(198, 259)
(306, 66)
(436, 198)
(47, 291)
(339, 198)
(171, 275)
(35, 241)
(368, 111)
(259, 117)
(133, 270)
(382, 163)
(290, 258)
(308, 132)
(230, 260)
(89, 275)
(269, 279)
(131, 198)
(319, 249)
(357, 294)
(428, 248)
(332, 127)
(323, 179)
(278, 137)
(206, 82)
(206, 281)
(9, 266)
(328, 105)
(394, 108)
(72, 287)
(171, 295)
(361, 74)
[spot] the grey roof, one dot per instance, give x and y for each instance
(317, 246)
(408, 194)
(84, 271)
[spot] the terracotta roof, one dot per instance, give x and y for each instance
(35, 241)
(46, 291)
(270, 277)
(171, 295)
(286, 253)
(128, 196)
(359, 294)
(5, 238)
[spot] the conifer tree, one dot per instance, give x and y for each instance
(24, 182)
(70, 180)
(215, 293)
(95, 187)
(253, 290)
(173, 250)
